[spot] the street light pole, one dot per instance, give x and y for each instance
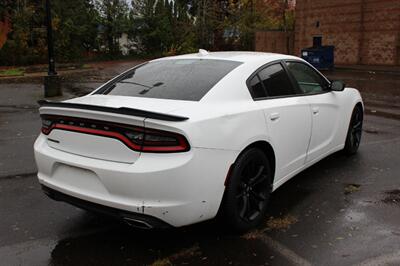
(52, 80)
(50, 43)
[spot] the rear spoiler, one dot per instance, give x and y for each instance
(120, 110)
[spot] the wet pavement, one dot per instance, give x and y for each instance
(380, 90)
(341, 211)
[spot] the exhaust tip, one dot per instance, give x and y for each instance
(137, 223)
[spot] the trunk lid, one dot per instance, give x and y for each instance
(100, 126)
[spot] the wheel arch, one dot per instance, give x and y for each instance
(359, 104)
(267, 149)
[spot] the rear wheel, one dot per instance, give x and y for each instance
(247, 192)
(353, 138)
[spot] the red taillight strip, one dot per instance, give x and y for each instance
(183, 145)
(97, 132)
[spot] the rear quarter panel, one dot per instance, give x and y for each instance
(210, 126)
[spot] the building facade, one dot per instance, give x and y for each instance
(274, 41)
(365, 32)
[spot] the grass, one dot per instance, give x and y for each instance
(11, 72)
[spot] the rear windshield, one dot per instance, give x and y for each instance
(179, 79)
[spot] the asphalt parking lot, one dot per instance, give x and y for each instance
(341, 211)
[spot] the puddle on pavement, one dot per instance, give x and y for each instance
(196, 245)
(392, 197)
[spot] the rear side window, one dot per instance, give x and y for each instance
(276, 81)
(178, 79)
(257, 89)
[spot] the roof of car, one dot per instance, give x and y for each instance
(239, 56)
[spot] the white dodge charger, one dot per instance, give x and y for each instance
(183, 139)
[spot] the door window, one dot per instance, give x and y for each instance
(308, 79)
(276, 81)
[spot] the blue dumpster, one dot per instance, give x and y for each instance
(321, 57)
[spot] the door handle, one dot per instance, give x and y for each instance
(274, 116)
(315, 110)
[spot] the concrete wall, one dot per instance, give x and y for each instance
(362, 31)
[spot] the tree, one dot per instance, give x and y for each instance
(209, 22)
(228, 24)
(26, 41)
(279, 14)
(75, 28)
(114, 20)
(74, 25)
(163, 27)
(6, 7)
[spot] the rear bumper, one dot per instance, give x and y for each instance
(136, 219)
(177, 189)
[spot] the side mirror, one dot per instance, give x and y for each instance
(337, 85)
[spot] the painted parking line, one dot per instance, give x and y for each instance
(287, 253)
(277, 247)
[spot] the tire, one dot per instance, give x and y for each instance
(247, 193)
(354, 132)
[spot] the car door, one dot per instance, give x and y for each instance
(287, 117)
(324, 108)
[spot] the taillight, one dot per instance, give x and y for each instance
(163, 141)
(136, 138)
(46, 125)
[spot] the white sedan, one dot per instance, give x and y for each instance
(183, 139)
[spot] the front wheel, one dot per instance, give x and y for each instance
(247, 193)
(353, 138)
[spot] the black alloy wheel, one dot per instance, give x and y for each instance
(248, 190)
(354, 133)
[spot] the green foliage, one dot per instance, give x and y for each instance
(277, 15)
(162, 27)
(11, 72)
(26, 41)
(75, 25)
(113, 22)
(6, 7)
(229, 24)
(85, 28)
